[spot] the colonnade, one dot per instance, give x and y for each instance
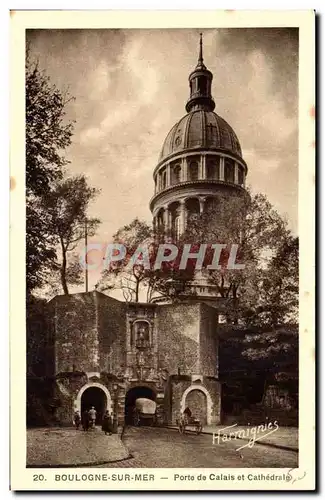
(165, 179)
(174, 216)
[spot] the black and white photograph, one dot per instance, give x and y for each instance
(162, 253)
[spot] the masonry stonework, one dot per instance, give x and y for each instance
(107, 353)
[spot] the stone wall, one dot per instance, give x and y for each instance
(76, 333)
(178, 341)
(111, 334)
(89, 330)
(215, 390)
(93, 336)
(209, 341)
(177, 389)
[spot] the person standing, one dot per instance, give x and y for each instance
(187, 415)
(85, 420)
(107, 425)
(92, 416)
(77, 419)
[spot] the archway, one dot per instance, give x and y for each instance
(195, 401)
(130, 398)
(94, 394)
(193, 209)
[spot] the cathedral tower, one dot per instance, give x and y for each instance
(201, 159)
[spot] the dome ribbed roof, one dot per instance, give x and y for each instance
(200, 129)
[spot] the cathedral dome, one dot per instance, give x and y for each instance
(200, 128)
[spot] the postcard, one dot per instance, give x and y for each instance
(162, 250)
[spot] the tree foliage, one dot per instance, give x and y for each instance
(67, 204)
(48, 134)
(266, 248)
(123, 275)
(137, 278)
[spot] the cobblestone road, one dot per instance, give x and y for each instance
(153, 447)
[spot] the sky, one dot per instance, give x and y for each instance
(131, 86)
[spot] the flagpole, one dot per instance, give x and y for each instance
(86, 250)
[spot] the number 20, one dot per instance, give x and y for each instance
(38, 477)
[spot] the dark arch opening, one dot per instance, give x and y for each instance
(131, 396)
(96, 397)
(192, 208)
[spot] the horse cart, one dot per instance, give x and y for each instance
(144, 412)
(189, 423)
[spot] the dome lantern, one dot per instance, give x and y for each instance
(200, 86)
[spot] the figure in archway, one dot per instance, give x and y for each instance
(92, 416)
(77, 419)
(85, 420)
(107, 425)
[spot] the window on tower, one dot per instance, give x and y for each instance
(213, 169)
(163, 179)
(176, 174)
(202, 84)
(194, 171)
(229, 170)
(160, 221)
(240, 176)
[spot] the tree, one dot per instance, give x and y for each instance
(259, 231)
(259, 345)
(120, 275)
(74, 274)
(137, 277)
(252, 360)
(47, 136)
(67, 205)
(263, 350)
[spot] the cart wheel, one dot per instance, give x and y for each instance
(198, 429)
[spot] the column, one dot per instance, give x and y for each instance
(183, 216)
(201, 201)
(184, 170)
(170, 221)
(236, 173)
(203, 173)
(222, 168)
(168, 175)
(166, 219)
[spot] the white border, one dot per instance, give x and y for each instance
(306, 212)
